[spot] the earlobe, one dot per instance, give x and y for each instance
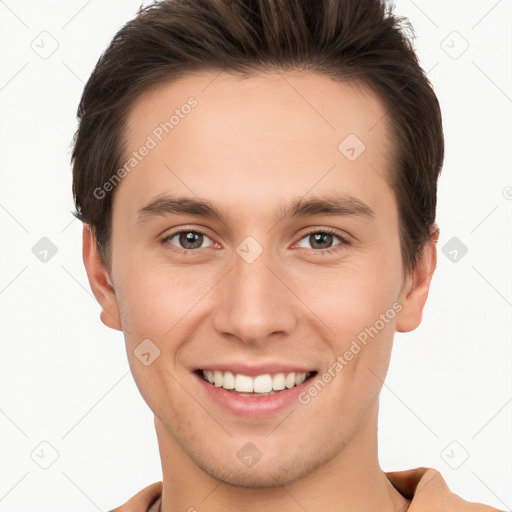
(99, 280)
(416, 287)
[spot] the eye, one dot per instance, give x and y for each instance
(321, 241)
(188, 240)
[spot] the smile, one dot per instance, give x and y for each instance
(259, 385)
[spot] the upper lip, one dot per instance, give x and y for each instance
(253, 370)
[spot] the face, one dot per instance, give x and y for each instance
(291, 265)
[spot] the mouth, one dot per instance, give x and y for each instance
(266, 384)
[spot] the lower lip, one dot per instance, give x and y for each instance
(253, 406)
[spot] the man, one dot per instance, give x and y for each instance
(257, 181)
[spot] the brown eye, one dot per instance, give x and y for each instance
(188, 240)
(322, 241)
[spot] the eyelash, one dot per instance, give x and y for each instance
(344, 242)
(343, 245)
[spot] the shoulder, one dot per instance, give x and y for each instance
(430, 492)
(142, 500)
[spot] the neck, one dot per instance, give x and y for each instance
(350, 481)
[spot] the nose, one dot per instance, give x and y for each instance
(255, 301)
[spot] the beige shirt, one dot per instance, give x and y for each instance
(425, 486)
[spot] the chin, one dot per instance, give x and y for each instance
(255, 478)
(277, 471)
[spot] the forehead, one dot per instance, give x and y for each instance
(218, 135)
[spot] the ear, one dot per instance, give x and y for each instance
(416, 286)
(99, 280)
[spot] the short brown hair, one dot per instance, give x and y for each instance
(361, 41)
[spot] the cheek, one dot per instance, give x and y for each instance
(350, 297)
(358, 303)
(364, 324)
(155, 298)
(156, 307)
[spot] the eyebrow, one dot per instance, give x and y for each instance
(331, 205)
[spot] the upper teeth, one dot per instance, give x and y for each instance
(259, 384)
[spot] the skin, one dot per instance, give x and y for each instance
(251, 146)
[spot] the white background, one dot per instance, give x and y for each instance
(64, 377)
